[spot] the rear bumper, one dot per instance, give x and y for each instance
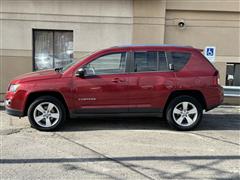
(215, 99)
(13, 112)
(213, 106)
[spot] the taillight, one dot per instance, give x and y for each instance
(216, 79)
(8, 87)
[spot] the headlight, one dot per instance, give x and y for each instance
(13, 87)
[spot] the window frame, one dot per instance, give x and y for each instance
(34, 38)
(127, 58)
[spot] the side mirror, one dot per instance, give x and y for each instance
(171, 67)
(80, 72)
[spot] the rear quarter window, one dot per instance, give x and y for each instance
(178, 59)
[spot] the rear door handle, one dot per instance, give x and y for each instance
(116, 80)
(147, 87)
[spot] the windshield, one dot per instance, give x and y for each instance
(64, 68)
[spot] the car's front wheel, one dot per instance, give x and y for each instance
(46, 113)
(184, 113)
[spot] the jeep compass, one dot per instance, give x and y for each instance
(174, 82)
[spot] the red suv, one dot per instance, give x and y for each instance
(144, 80)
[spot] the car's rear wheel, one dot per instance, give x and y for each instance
(46, 113)
(184, 113)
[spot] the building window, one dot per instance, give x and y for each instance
(233, 74)
(52, 48)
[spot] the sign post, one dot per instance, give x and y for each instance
(210, 53)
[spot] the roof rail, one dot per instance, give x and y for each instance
(157, 45)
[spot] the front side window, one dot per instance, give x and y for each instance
(163, 66)
(108, 64)
(178, 59)
(52, 48)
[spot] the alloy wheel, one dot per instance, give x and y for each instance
(46, 114)
(185, 113)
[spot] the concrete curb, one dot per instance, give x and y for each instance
(1, 104)
(2, 107)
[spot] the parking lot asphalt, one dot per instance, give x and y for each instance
(127, 148)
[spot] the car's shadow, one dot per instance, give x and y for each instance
(209, 122)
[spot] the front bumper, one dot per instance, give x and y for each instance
(13, 112)
(14, 103)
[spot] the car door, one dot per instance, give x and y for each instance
(103, 89)
(150, 82)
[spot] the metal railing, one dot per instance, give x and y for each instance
(231, 91)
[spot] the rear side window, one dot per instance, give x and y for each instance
(178, 59)
(145, 61)
(163, 66)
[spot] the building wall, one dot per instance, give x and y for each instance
(148, 21)
(219, 29)
(206, 5)
(98, 24)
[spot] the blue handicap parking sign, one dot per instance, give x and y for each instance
(210, 53)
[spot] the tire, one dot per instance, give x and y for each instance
(46, 113)
(184, 113)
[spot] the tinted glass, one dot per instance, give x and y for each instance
(162, 62)
(109, 64)
(178, 59)
(145, 61)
